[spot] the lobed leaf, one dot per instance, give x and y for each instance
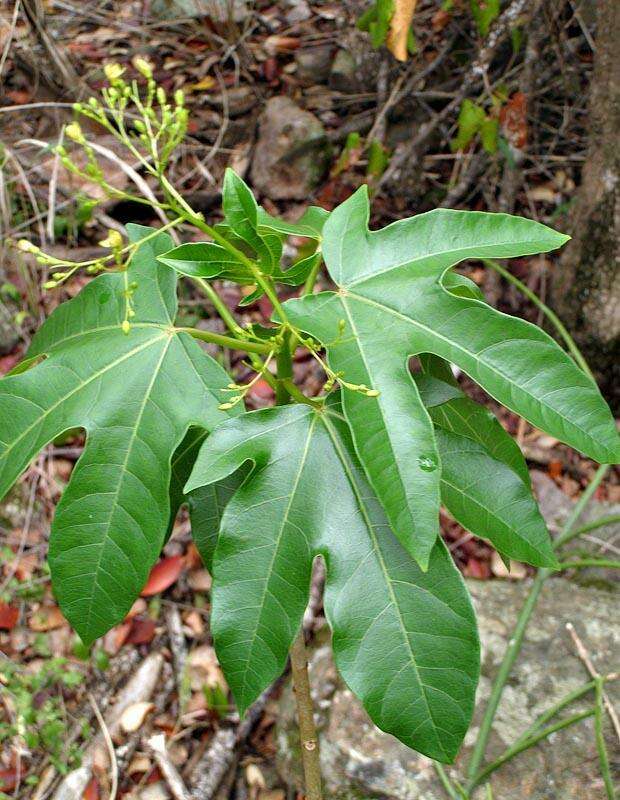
(392, 303)
(135, 395)
(405, 641)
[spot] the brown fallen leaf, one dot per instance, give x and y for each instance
(46, 619)
(8, 617)
(163, 575)
(517, 570)
(142, 631)
(399, 28)
(134, 715)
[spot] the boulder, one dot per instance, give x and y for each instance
(359, 761)
(292, 153)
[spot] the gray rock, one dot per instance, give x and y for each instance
(292, 152)
(299, 10)
(218, 10)
(359, 761)
(600, 543)
(344, 75)
(314, 64)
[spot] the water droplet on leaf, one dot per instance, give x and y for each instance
(427, 463)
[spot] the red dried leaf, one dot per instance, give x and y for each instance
(142, 631)
(8, 779)
(164, 574)
(477, 569)
(261, 390)
(92, 791)
(513, 119)
(8, 617)
(8, 362)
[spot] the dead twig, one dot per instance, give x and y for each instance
(587, 662)
(157, 745)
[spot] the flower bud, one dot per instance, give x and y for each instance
(143, 67)
(74, 132)
(125, 327)
(27, 247)
(113, 72)
(113, 240)
(179, 97)
(50, 285)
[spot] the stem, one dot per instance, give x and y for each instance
(516, 640)
(600, 740)
(592, 526)
(196, 219)
(305, 714)
(284, 363)
(527, 743)
(312, 276)
(220, 306)
(551, 316)
(445, 781)
(227, 341)
(582, 563)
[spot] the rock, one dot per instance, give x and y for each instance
(298, 11)
(556, 506)
(344, 75)
(359, 761)
(292, 152)
(314, 64)
(218, 10)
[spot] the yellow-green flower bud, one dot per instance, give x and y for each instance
(113, 72)
(113, 240)
(50, 285)
(74, 132)
(125, 327)
(26, 247)
(143, 67)
(179, 97)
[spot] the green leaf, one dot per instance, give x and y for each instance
(136, 395)
(310, 224)
(206, 260)
(392, 303)
(471, 117)
(485, 483)
(241, 212)
(404, 641)
(206, 504)
(484, 12)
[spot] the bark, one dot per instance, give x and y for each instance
(586, 287)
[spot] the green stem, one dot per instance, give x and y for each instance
(516, 639)
(446, 782)
(583, 563)
(312, 276)
(567, 531)
(551, 316)
(220, 306)
(527, 743)
(227, 341)
(600, 739)
(284, 361)
(592, 526)
(196, 219)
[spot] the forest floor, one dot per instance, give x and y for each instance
(528, 79)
